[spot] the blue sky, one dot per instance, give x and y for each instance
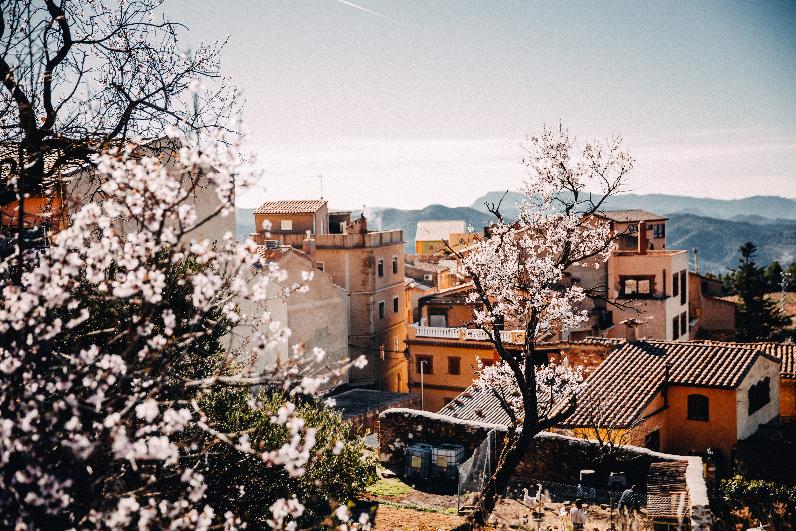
(409, 103)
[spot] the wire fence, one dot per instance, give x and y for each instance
(476, 471)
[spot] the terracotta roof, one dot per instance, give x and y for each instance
(431, 231)
(631, 215)
(631, 376)
(291, 207)
(667, 491)
(785, 352)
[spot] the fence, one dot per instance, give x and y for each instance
(475, 472)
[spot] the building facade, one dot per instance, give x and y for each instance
(369, 265)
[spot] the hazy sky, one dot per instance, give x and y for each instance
(407, 103)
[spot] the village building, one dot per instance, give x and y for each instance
(440, 237)
(715, 317)
(313, 316)
(683, 398)
(47, 211)
(369, 265)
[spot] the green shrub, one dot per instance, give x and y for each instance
(342, 469)
(764, 501)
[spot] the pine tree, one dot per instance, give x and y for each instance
(774, 277)
(756, 317)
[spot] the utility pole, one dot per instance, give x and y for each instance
(422, 388)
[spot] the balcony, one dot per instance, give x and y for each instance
(516, 337)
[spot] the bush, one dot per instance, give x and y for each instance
(341, 468)
(754, 500)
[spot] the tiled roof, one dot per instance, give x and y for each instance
(631, 215)
(431, 231)
(631, 376)
(785, 352)
(291, 207)
(479, 406)
(667, 491)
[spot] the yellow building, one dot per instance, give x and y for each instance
(433, 237)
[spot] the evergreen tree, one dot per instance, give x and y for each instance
(756, 317)
(774, 277)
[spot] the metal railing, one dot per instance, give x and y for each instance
(467, 334)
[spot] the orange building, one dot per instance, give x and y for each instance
(682, 398)
(369, 265)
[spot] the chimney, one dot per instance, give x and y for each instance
(696, 260)
(642, 237)
(308, 246)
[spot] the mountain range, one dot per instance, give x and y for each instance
(715, 227)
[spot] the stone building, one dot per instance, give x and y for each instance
(369, 265)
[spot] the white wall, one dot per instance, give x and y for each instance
(747, 424)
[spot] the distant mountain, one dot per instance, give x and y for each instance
(393, 218)
(244, 219)
(769, 222)
(760, 208)
(718, 240)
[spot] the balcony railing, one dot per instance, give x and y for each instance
(467, 334)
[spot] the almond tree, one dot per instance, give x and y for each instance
(519, 276)
(82, 76)
(111, 342)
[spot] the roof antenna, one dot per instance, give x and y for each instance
(320, 178)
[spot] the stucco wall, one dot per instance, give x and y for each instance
(787, 398)
(748, 424)
(681, 435)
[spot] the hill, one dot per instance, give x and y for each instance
(718, 240)
(760, 208)
(717, 237)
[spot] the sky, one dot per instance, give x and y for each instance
(409, 103)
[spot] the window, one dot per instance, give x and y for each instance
(380, 268)
(437, 318)
(683, 292)
(423, 364)
(394, 265)
(487, 363)
(454, 365)
(636, 287)
(659, 230)
(428, 277)
(675, 285)
(759, 394)
(675, 327)
(395, 305)
(447, 400)
(683, 323)
(653, 441)
(698, 407)
(319, 265)
(286, 224)
(381, 310)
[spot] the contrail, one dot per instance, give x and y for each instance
(366, 10)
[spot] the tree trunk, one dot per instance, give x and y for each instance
(510, 457)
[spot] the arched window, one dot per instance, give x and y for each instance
(698, 407)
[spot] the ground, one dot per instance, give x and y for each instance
(400, 506)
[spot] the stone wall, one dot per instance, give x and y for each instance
(551, 457)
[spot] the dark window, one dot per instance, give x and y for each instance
(437, 318)
(425, 363)
(395, 305)
(675, 327)
(653, 440)
(683, 290)
(659, 230)
(487, 363)
(675, 285)
(759, 394)
(447, 400)
(394, 265)
(683, 323)
(380, 268)
(381, 310)
(319, 265)
(636, 287)
(698, 407)
(454, 365)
